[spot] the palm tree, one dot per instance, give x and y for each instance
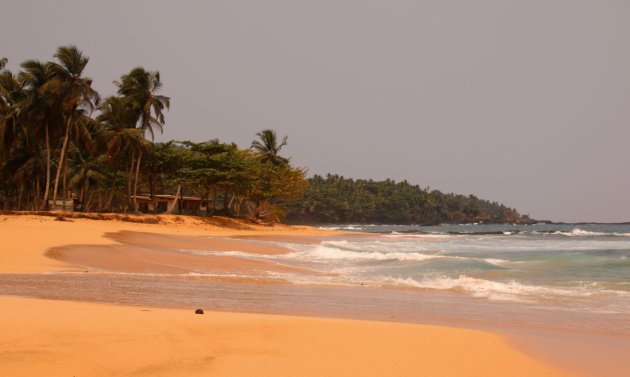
(119, 134)
(37, 111)
(75, 92)
(119, 138)
(25, 166)
(139, 88)
(268, 148)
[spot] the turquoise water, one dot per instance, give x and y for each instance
(582, 267)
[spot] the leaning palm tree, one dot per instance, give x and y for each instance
(268, 148)
(75, 92)
(139, 88)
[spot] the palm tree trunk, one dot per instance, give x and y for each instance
(152, 193)
(111, 196)
(181, 202)
(231, 201)
(135, 183)
(36, 202)
(65, 183)
(19, 201)
(45, 203)
(237, 206)
(226, 207)
(61, 160)
(100, 201)
(129, 173)
(88, 205)
(174, 204)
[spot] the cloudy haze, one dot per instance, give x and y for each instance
(523, 102)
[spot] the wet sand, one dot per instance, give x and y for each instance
(61, 337)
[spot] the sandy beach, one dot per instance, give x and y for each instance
(61, 338)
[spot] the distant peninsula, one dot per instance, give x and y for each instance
(337, 200)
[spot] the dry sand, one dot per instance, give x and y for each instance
(61, 338)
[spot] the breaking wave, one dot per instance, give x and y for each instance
(500, 291)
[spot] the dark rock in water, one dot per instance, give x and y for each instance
(199, 311)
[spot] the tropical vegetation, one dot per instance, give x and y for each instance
(61, 143)
(335, 199)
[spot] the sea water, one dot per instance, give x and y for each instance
(583, 267)
(544, 276)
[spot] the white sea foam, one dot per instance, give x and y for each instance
(577, 232)
(214, 252)
(328, 253)
(500, 291)
(380, 246)
(496, 261)
(346, 227)
(402, 236)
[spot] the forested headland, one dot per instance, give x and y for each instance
(335, 199)
(62, 146)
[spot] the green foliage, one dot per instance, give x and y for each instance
(268, 149)
(335, 199)
(52, 121)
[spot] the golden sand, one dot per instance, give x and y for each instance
(62, 338)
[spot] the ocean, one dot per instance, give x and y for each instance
(583, 267)
(573, 277)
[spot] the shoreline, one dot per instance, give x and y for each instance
(32, 260)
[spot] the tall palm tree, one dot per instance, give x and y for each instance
(139, 88)
(268, 148)
(119, 138)
(75, 92)
(37, 111)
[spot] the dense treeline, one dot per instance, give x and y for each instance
(59, 141)
(336, 199)
(63, 147)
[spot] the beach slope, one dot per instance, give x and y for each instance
(64, 338)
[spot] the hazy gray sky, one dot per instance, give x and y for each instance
(524, 102)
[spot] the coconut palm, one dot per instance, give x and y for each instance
(37, 112)
(119, 138)
(75, 92)
(139, 88)
(118, 135)
(26, 165)
(268, 148)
